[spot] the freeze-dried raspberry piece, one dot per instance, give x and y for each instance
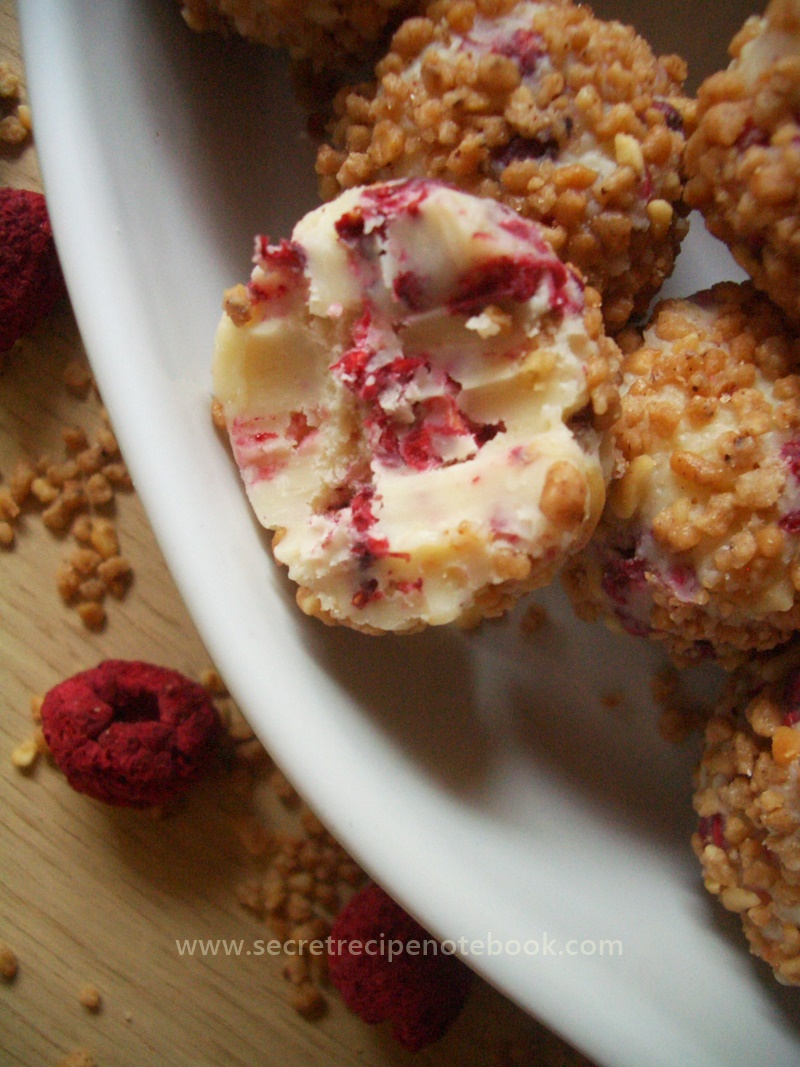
(387, 967)
(30, 275)
(130, 733)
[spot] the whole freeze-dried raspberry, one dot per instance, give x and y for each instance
(31, 281)
(130, 733)
(387, 967)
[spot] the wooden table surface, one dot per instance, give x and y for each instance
(91, 895)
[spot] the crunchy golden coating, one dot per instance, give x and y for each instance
(699, 544)
(322, 34)
(570, 120)
(747, 797)
(743, 160)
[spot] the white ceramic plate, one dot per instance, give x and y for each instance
(479, 776)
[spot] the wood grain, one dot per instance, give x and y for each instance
(95, 895)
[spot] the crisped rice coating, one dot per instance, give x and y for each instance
(747, 798)
(743, 160)
(699, 543)
(570, 120)
(322, 34)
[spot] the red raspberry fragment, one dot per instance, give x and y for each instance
(387, 967)
(31, 281)
(130, 733)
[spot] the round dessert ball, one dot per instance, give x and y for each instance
(699, 544)
(414, 387)
(743, 159)
(747, 798)
(334, 35)
(570, 120)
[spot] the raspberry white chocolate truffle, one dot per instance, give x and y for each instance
(333, 35)
(743, 160)
(570, 120)
(699, 545)
(413, 386)
(747, 797)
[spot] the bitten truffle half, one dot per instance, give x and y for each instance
(699, 545)
(569, 119)
(747, 798)
(743, 160)
(414, 387)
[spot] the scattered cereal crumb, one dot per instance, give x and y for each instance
(10, 81)
(15, 126)
(25, 755)
(92, 615)
(75, 497)
(89, 997)
(77, 378)
(8, 963)
(13, 130)
(211, 680)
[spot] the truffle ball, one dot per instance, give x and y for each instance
(699, 543)
(747, 797)
(743, 159)
(568, 119)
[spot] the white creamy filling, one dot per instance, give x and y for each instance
(417, 541)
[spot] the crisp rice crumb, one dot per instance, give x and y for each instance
(76, 496)
(211, 680)
(25, 755)
(9, 964)
(15, 125)
(89, 997)
(77, 378)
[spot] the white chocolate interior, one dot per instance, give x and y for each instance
(426, 541)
